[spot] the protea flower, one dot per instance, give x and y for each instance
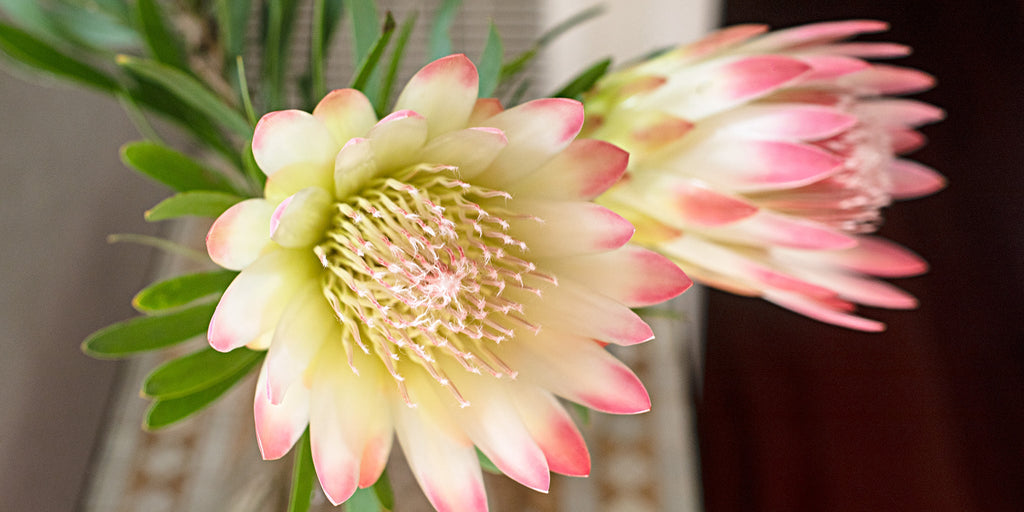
(439, 273)
(760, 163)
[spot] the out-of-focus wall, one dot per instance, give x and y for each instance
(63, 190)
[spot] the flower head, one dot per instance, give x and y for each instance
(760, 162)
(440, 273)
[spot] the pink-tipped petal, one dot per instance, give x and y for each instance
(911, 179)
(873, 256)
(278, 427)
(771, 229)
(306, 324)
(346, 113)
(578, 369)
(822, 312)
(899, 112)
(830, 67)
(494, 425)
(757, 165)
(883, 79)
(793, 122)
(864, 50)
(631, 275)
(814, 34)
(470, 151)
(445, 466)
(485, 108)
(347, 419)
(553, 430)
(906, 141)
(300, 220)
(561, 228)
(254, 301)
(290, 137)
(444, 92)
(717, 41)
(687, 202)
(240, 234)
(583, 171)
(537, 130)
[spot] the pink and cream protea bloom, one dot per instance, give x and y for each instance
(441, 274)
(760, 163)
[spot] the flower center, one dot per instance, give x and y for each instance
(421, 261)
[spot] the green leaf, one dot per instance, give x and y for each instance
(363, 500)
(368, 65)
(490, 63)
(162, 43)
(196, 372)
(36, 53)
(486, 463)
(199, 203)
(382, 488)
(280, 17)
(172, 168)
(387, 87)
(582, 411)
(303, 473)
(167, 412)
(190, 91)
(440, 42)
(232, 21)
(519, 63)
(148, 332)
(181, 290)
(584, 81)
(365, 27)
(162, 244)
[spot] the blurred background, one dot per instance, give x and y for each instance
(794, 415)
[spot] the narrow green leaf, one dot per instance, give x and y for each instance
(196, 372)
(148, 333)
(199, 203)
(519, 63)
(490, 63)
(232, 22)
(333, 11)
(257, 178)
(181, 290)
(318, 84)
(162, 42)
(160, 243)
(363, 500)
(280, 17)
(439, 43)
(368, 65)
(382, 488)
(486, 463)
(584, 81)
(36, 53)
(365, 27)
(190, 92)
(582, 411)
(243, 91)
(167, 412)
(303, 474)
(172, 168)
(397, 54)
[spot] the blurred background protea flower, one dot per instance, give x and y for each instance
(760, 163)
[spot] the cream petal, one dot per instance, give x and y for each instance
(301, 219)
(485, 108)
(631, 275)
(444, 92)
(583, 171)
(562, 228)
(552, 429)
(346, 113)
(355, 164)
(305, 325)
(290, 137)
(578, 369)
(240, 234)
(397, 139)
(470, 150)
(279, 426)
(290, 179)
(537, 130)
(572, 307)
(254, 301)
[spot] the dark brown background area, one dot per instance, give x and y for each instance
(927, 416)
